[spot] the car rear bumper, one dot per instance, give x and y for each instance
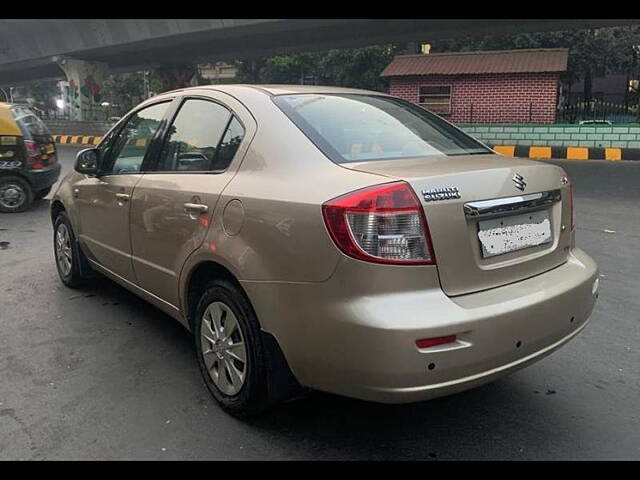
(41, 179)
(362, 344)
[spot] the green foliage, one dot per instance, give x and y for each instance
(592, 52)
(44, 94)
(123, 91)
(355, 68)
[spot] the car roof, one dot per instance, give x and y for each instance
(277, 89)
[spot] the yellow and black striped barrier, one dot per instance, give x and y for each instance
(76, 139)
(88, 140)
(539, 153)
(569, 153)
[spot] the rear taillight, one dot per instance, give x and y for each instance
(34, 155)
(381, 224)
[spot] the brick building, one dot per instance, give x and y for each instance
(502, 86)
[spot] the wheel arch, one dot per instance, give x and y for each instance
(56, 208)
(196, 281)
(282, 382)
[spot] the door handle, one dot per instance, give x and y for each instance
(122, 197)
(196, 207)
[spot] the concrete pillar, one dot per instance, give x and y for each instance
(85, 88)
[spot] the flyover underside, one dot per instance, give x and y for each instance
(244, 39)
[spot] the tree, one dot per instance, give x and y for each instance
(123, 91)
(44, 94)
(356, 68)
(592, 52)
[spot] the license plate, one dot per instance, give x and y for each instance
(508, 234)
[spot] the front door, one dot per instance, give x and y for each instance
(104, 201)
(173, 203)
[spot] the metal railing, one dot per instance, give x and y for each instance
(598, 110)
(531, 112)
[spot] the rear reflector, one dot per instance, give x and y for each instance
(432, 342)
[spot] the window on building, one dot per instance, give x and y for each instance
(436, 98)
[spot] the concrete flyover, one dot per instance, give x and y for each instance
(33, 49)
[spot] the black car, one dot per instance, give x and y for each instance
(28, 159)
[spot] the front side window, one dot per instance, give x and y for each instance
(200, 138)
(129, 147)
(356, 128)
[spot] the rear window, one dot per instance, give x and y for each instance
(356, 128)
(30, 125)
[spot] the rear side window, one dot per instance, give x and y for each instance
(356, 128)
(203, 137)
(31, 126)
(229, 144)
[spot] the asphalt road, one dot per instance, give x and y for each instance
(100, 374)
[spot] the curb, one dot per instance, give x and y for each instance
(569, 153)
(89, 140)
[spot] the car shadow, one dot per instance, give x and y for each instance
(496, 420)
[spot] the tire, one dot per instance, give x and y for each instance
(40, 194)
(73, 276)
(223, 302)
(15, 194)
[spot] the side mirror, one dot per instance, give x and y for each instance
(87, 161)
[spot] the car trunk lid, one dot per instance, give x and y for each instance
(485, 183)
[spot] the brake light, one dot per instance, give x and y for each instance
(380, 224)
(34, 156)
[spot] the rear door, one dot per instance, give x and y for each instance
(103, 201)
(173, 204)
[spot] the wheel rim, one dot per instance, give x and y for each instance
(63, 249)
(12, 195)
(223, 348)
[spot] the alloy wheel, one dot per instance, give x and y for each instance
(63, 249)
(223, 348)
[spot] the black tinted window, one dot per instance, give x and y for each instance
(192, 142)
(354, 128)
(229, 145)
(129, 147)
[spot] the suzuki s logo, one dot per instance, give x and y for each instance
(519, 181)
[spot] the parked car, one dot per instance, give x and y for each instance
(335, 239)
(595, 122)
(28, 158)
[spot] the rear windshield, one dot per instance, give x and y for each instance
(30, 125)
(357, 128)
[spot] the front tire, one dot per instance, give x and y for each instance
(230, 351)
(67, 253)
(15, 194)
